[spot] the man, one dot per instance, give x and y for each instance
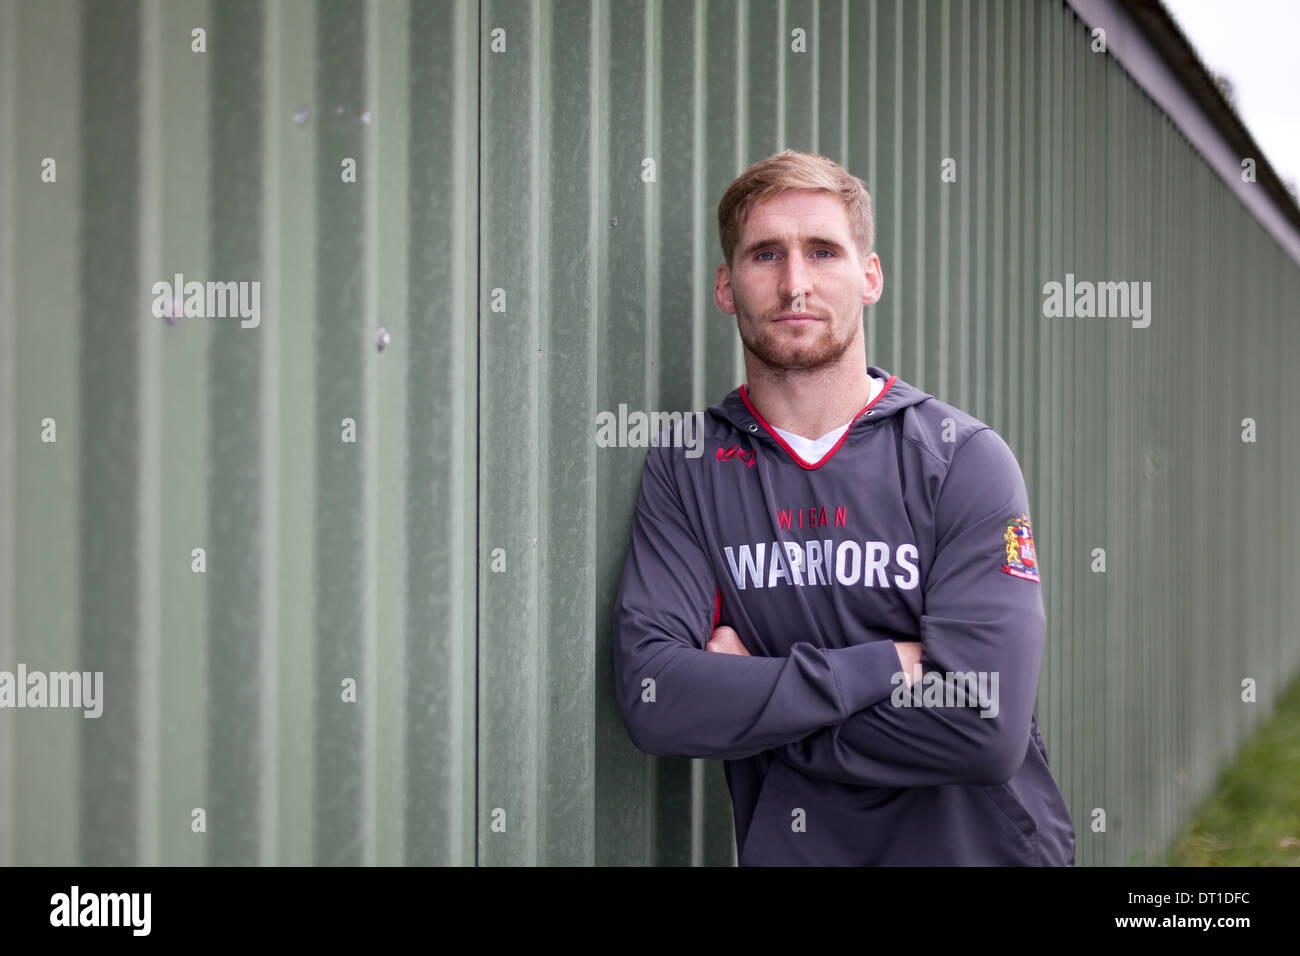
(840, 598)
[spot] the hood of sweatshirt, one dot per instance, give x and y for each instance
(737, 411)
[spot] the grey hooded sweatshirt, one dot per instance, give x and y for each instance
(916, 527)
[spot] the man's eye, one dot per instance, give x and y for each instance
(768, 252)
(759, 256)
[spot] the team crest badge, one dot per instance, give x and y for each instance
(1021, 559)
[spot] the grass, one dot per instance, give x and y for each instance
(1253, 816)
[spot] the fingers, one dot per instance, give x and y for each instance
(725, 640)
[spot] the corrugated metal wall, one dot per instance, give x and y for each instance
(459, 558)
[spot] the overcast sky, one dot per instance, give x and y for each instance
(1256, 44)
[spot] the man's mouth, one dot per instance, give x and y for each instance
(797, 318)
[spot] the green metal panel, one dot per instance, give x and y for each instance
(326, 560)
(459, 559)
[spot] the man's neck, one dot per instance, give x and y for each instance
(809, 404)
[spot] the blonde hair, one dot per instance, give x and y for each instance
(789, 171)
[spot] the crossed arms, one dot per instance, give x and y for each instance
(828, 711)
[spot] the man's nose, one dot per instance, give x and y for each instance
(795, 278)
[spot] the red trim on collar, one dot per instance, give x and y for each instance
(744, 396)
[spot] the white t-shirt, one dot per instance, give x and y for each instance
(813, 450)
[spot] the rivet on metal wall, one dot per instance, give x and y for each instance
(382, 338)
(614, 221)
(301, 114)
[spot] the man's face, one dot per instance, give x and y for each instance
(791, 243)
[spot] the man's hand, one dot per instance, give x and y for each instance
(726, 641)
(909, 655)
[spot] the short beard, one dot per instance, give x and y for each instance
(801, 359)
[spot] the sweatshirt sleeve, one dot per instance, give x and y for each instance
(983, 614)
(680, 700)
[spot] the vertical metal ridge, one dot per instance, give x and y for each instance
(108, 426)
(898, 197)
(541, 196)
(704, 226)
(924, 172)
(10, 423)
(296, 378)
(149, 404)
(479, 549)
(371, 678)
(743, 158)
(233, 578)
(390, 103)
(270, 649)
(945, 151)
(699, 289)
(183, 170)
(597, 158)
(338, 834)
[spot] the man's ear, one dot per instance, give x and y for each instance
(722, 296)
(874, 286)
